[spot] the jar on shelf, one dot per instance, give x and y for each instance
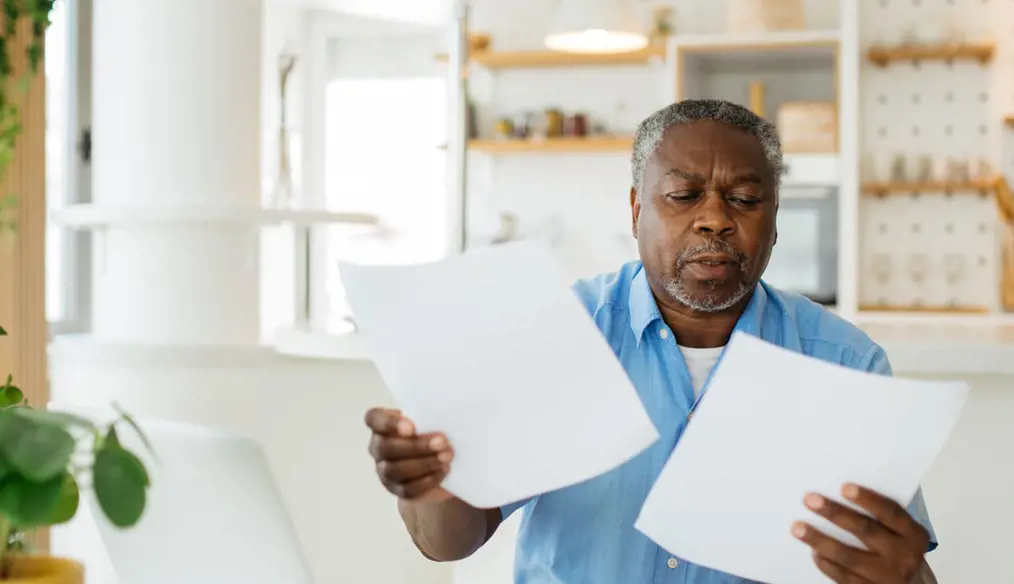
(575, 126)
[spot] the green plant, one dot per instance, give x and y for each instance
(45, 457)
(36, 14)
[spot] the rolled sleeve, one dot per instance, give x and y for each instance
(876, 361)
(509, 509)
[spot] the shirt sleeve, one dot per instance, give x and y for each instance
(877, 362)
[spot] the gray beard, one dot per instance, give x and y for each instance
(709, 303)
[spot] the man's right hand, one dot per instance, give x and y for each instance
(410, 465)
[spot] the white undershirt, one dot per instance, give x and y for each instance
(700, 362)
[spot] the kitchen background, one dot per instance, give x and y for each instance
(897, 122)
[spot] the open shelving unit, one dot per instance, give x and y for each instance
(93, 216)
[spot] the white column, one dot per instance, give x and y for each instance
(177, 114)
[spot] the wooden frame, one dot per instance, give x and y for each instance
(883, 56)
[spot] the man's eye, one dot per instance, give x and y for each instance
(683, 196)
(745, 200)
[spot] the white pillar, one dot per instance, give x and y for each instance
(176, 96)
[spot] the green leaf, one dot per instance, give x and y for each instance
(11, 396)
(30, 504)
(70, 498)
(3, 333)
(137, 429)
(5, 469)
(58, 419)
(37, 450)
(112, 439)
(120, 483)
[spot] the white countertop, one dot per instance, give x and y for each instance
(958, 347)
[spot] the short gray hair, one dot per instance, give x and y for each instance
(650, 131)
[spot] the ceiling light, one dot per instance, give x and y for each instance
(596, 26)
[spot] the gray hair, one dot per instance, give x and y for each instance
(650, 131)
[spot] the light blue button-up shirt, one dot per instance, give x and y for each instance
(584, 534)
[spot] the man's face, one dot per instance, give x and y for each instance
(705, 219)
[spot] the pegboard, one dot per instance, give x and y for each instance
(933, 250)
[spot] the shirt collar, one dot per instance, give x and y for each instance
(644, 311)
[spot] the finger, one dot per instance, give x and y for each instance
(387, 448)
(418, 488)
(852, 561)
(389, 422)
(888, 512)
(406, 471)
(871, 532)
(837, 573)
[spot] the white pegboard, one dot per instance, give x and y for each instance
(941, 251)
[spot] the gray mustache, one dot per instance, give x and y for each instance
(711, 246)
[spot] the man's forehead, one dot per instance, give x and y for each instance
(706, 140)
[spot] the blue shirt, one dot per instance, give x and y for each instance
(584, 534)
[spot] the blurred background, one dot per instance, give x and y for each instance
(190, 172)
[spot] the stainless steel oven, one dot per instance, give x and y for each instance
(805, 258)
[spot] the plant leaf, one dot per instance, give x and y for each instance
(38, 451)
(59, 419)
(3, 333)
(120, 483)
(11, 396)
(30, 504)
(137, 429)
(70, 498)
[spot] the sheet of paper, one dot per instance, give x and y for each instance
(773, 426)
(494, 349)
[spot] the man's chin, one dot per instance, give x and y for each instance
(712, 295)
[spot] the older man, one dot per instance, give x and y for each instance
(703, 204)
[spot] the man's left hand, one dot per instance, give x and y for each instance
(896, 543)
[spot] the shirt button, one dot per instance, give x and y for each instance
(664, 333)
(672, 563)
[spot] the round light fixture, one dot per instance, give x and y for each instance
(596, 26)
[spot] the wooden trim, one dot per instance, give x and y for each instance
(22, 255)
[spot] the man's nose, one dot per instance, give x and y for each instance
(713, 217)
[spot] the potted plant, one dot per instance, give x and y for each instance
(45, 458)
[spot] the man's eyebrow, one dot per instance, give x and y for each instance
(692, 176)
(749, 177)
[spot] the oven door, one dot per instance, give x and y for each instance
(805, 257)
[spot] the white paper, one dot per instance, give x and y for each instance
(494, 349)
(773, 426)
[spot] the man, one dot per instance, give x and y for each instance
(703, 206)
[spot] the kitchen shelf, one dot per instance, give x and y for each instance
(92, 216)
(618, 144)
(981, 52)
(880, 189)
(967, 310)
(496, 60)
(777, 43)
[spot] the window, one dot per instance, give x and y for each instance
(385, 159)
(66, 73)
(376, 116)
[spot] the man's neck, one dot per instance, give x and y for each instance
(700, 330)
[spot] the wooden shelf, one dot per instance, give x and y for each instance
(925, 309)
(552, 59)
(1009, 120)
(981, 52)
(611, 144)
(881, 189)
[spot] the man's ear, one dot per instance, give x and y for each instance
(635, 210)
